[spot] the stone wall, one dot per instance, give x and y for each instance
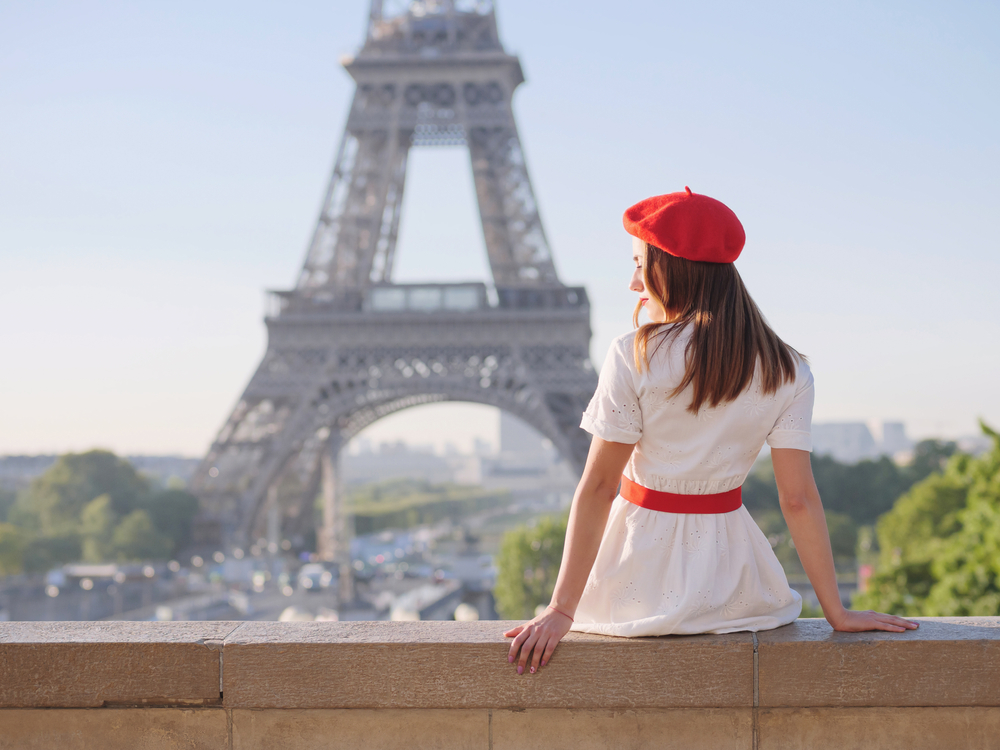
(294, 686)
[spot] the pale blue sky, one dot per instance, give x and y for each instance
(162, 164)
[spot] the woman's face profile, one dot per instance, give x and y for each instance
(653, 309)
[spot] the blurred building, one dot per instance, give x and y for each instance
(894, 439)
(398, 460)
(18, 471)
(850, 442)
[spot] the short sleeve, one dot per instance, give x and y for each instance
(793, 429)
(613, 413)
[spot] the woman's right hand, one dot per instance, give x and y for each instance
(850, 621)
(537, 639)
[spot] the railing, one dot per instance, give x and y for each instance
(427, 298)
(448, 685)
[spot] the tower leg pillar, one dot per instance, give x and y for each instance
(333, 540)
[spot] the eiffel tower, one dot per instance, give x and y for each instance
(347, 346)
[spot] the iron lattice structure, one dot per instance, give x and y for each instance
(346, 346)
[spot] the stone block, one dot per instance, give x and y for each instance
(113, 729)
(464, 665)
(968, 728)
(93, 664)
(946, 662)
(642, 729)
(361, 729)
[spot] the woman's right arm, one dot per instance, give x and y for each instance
(598, 487)
(803, 512)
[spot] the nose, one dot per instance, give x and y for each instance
(636, 284)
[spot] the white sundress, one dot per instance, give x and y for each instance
(660, 573)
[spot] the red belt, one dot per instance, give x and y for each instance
(669, 502)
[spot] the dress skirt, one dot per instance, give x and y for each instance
(662, 573)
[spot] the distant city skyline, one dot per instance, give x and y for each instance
(161, 167)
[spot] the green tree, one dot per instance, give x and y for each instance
(44, 553)
(12, 543)
(843, 535)
(929, 457)
(863, 491)
(135, 538)
(940, 543)
(7, 500)
(172, 512)
(528, 564)
(759, 490)
(97, 526)
(53, 502)
(843, 538)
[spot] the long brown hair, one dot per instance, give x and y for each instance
(730, 335)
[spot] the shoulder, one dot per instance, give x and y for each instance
(624, 343)
(803, 373)
(620, 357)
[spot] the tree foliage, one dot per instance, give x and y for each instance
(135, 538)
(7, 500)
(57, 498)
(940, 543)
(96, 507)
(404, 503)
(97, 526)
(843, 538)
(527, 567)
(12, 543)
(172, 512)
(862, 491)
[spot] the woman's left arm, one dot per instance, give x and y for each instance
(588, 516)
(803, 511)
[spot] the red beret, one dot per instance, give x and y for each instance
(687, 225)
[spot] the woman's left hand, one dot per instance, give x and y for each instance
(537, 638)
(851, 621)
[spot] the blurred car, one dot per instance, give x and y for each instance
(314, 577)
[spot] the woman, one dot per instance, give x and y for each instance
(683, 407)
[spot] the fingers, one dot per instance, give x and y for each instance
(549, 648)
(518, 641)
(881, 625)
(897, 622)
(870, 620)
(536, 654)
(533, 646)
(889, 623)
(526, 649)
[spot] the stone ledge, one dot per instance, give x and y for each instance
(464, 665)
(945, 662)
(94, 664)
(447, 665)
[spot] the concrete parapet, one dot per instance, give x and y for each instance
(97, 664)
(448, 685)
(464, 665)
(946, 662)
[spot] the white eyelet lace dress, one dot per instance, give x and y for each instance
(659, 573)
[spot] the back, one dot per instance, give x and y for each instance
(680, 452)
